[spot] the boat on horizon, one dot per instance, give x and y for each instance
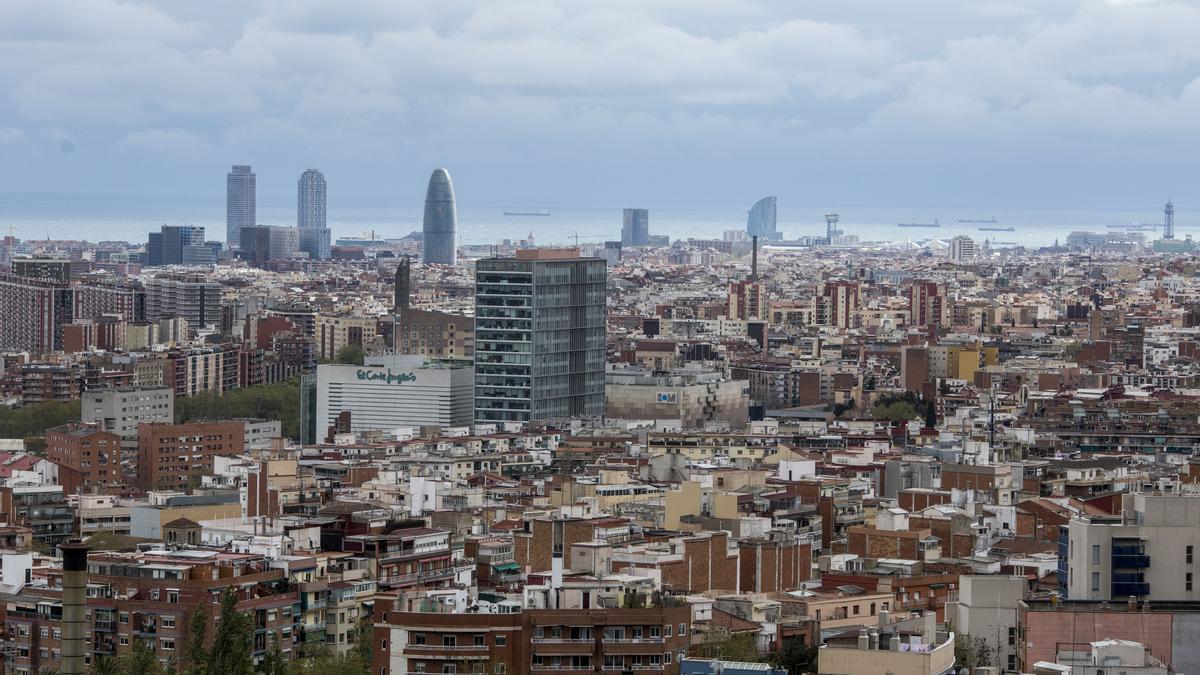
(538, 212)
(935, 223)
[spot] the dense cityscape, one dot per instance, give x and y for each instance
(288, 452)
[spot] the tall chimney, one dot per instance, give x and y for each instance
(754, 258)
(74, 596)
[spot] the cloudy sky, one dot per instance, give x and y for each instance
(1004, 103)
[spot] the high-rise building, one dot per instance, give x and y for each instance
(403, 288)
(240, 203)
(169, 244)
(837, 304)
(831, 226)
(310, 200)
(747, 300)
(42, 268)
(194, 299)
(441, 221)
(635, 227)
(168, 454)
(34, 311)
(760, 222)
(263, 243)
(962, 248)
(1169, 220)
(315, 242)
(539, 336)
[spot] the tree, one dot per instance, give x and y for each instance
(898, 411)
(796, 658)
(279, 401)
(31, 421)
(105, 665)
(231, 653)
(363, 649)
(274, 663)
(140, 660)
(720, 643)
(350, 354)
(971, 652)
(197, 655)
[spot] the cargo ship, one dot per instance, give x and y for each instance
(935, 223)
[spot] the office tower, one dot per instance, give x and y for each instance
(1169, 221)
(962, 248)
(240, 203)
(310, 200)
(315, 242)
(539, 336)
(441, 221)
(635, 227)
(169, 244)
(262, 243)
(761, 219)
(403, 285)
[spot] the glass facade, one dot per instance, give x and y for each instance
(760, 222)
(539, 339)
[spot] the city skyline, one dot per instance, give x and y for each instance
(943, 104)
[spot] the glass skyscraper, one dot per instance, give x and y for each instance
(441, 221)
(761, 220)
(635, 227)
(171, 244)
(539, 336)
(240, 203)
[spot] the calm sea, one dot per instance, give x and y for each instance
(130, 217)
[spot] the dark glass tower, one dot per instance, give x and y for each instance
(441, 221)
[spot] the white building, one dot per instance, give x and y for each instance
(395, 391)
(962, 248)
(122, 410)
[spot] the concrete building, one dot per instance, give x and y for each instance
(1148, 551)
(263, 243)
(433, 334)
(192, 298)
(872, 651)
(962, 248)
(1102, 657)
(539, 336)
(988, 608)
(169, 454)
(337, 332)
(310, 200)
(122, 410)
(837, 304)
(88, 456)
(168, 245)
(42, 268)
(392, 392)
(240, 204)
(440, 229)
(689, 399)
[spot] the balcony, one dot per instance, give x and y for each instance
(1127, 588)
(578, 669)
(1130, 562)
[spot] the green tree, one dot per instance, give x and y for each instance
(363, 648)
(796, 658)
(31, 421)
(140, 660)
(971, 652)
(898, 411)
(274, 663)
(720, 643)
(105, 665)
(231, 654)
(350, 354)
(279, 401)
(197, 654)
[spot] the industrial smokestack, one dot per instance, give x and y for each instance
(74, 554)
(754, 258)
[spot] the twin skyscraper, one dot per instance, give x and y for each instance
(440, 226)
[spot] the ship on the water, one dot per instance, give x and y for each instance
(979, 221)
(935, 223)
(997, 229)
(539, 212)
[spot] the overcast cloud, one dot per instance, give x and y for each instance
(1006, 103)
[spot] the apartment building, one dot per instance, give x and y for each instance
(88, 457)
(168, 454)
(122, 410)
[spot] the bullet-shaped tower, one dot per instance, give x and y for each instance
(441, 221)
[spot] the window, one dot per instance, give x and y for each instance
(1189, 555)
(501, 640)
(124, 640)
(153, 593)
(1095, 581)
(124, 617)
(418, 638)
(856, 610)
(383, 645)
(168, 622)
(682, 630)
(1187, 581)
(667, 630)
(1095, 554)
(479, 641)
(1012, 635)
(655, 632)
(667, 657)
(500, 669)
(168, 645)
(173, 597)
(449, 641)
